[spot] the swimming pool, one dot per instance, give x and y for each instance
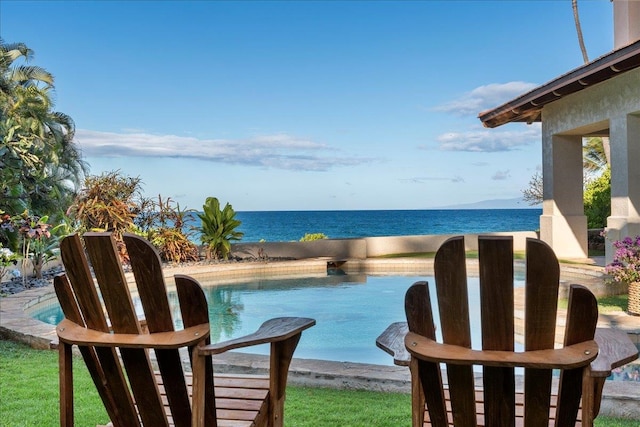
(351, 310)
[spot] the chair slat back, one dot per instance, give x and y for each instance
(495, 256)
(194, 311)
(420, 320)
(451, 286)
(582, 318)
(496, 274)
(541, 300)
(147, 270)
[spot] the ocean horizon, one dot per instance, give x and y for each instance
(285, 226)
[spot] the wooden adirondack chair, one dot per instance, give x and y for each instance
(110, 337)
(576, 399)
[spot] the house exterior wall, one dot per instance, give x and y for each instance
(612, 105)
(626, 22)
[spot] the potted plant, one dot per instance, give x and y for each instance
(625, 268)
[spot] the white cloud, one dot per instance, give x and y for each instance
(281, 151)
(426, 179)
(485, 97)
(489, 140)
(501, 175)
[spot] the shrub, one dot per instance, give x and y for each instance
(309, 237)
(163, 223)
(173, 245)
(597, 200)
(108, 202)
(625, 266)
(7, 259)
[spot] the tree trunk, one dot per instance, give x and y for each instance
(576, 18)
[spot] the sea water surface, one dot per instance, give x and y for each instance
(284, 226)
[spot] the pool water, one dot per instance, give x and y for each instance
(350, 311)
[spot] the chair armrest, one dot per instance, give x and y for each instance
(392, 341)
(72, 333)
(273, 330)
(616, 349)
(573, 356)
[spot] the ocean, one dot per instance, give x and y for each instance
(285, 226)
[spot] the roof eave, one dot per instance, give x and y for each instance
(528, 107)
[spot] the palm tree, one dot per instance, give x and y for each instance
(40, 165)
(594, 155)
(576, 18)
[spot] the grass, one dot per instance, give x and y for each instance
(29, 397)
(605, 304)
(613, 303)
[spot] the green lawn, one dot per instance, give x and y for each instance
(29, 397)
(605, 304)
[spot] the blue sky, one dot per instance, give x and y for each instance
(301, 105)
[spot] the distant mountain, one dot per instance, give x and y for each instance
(517, 203)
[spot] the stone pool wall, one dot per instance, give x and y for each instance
(366, 247)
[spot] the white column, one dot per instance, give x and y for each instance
(625, 180)
(626, 22)
(563, 224)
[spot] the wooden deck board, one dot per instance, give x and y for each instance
(480, 410)
(240, 399)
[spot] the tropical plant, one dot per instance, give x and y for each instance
(625, 267)
(173, 245)
(8, 258)
(8, 235)
(40, 165)
(36, 244)
(594, 155)
(218, 228)
(597, 200)
(163, 223)
(41, 251)
(108, 202)
(309, 237)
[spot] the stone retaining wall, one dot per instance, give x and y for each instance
(367, 247)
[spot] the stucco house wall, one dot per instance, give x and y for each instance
(609, 108)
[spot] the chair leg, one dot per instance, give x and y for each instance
(198, 369)
(598, 385)
(588, 398)
(591, 397)
(65, 368)
(280, 359)
(417, 396)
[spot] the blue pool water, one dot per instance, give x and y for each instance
(350, 310)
